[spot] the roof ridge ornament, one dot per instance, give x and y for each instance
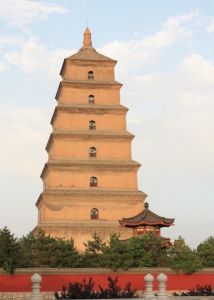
(146, 205)
(87, 42)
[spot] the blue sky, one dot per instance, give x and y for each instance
(165, 53)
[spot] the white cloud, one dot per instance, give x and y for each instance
(211, 26)
(23, 12)
(194, 75)
(30, 54)
(27, 53)
(138, 51)
(174, 142)
(3, 66)
(172, 30)
(6, 41)
(34, 57)
(24, 132)
(178, 114)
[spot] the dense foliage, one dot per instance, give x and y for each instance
(181, 257)
(44, 251)
(39, 250)
(199, 290)
(85, 290)
(206, 252)
(9, 251)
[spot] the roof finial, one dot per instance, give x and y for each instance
(146, 205)
(87, 39)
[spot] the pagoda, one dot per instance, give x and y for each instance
(146, 222)
(90, 179)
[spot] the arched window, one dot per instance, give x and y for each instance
(92, 152)
(93, 181)
(94, 214)
(90, 75)
(91, 99)
(92, 124)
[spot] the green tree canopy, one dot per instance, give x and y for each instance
(93, 255)
(145, 251)
(9, 251)
(206, 252)
(115, 254)
(40, 250)
(182, 258)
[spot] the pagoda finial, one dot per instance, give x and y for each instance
(146, 205)
(87, 39)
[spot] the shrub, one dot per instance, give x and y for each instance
(85, 290)
(78, 290)
(115, 291)
(199, 290)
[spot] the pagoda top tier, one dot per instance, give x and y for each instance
(146, 218)
(88, 52)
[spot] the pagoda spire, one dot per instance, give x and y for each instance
(87, 42)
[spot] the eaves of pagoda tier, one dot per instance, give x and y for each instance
(86, 56)
(92, 164)
(92, 135)
(113, 85)
(110, 195)
(68, 61)
(95, 109)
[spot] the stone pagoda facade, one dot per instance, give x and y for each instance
(90, 179)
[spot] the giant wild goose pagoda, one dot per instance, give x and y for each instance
(90, 180)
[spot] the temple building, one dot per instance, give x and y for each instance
(90, 180)
(146, 222)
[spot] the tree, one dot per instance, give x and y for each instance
(115, 254)
(95, 245)
(40, 250)
(93, 252)
(181, 257)
(147, 251)
(206, 252)
(26, 246)
(9, 251)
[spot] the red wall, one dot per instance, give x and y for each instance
(21, 282)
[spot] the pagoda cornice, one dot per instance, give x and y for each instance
(87, 56)
(93, 106)
(93, 161)
(88, 193)
(89, 134)
(91, 164)
(92, 84)
(82, 223)
(92, 191)
(86, 62)
(88, 108)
